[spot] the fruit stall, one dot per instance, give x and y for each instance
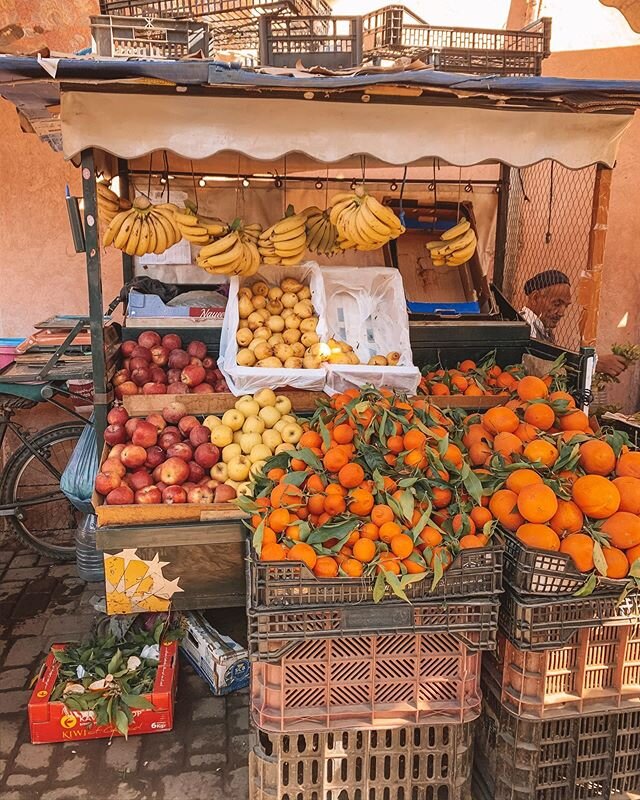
(439, 551)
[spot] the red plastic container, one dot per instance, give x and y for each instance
(54, 722)
(367, 682)
(599, 671)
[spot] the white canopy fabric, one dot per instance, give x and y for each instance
(266, 128)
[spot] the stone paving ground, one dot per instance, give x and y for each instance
(203, 758)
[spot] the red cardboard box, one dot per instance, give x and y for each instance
(54, 722)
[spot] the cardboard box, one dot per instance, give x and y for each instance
(54, 722)
(142, 309)
(220, 661)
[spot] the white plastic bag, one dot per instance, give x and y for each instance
(246, 380)
(366, 308)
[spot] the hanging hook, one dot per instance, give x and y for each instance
(468, 187)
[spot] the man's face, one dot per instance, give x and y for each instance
(550, 304)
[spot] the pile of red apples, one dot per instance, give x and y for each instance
(163, 458)
(157, 364)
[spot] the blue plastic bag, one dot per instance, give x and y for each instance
(80, 473)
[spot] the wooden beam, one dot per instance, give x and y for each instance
(591, 282)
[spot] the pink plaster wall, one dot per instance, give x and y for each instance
(40, 273)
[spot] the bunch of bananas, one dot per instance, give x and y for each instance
(249, 233)
(144, 228)
(455, 247)
(322, 234)
(197, 228)
(233, 254)
(285, 241)
(362, 222)
(109, 204)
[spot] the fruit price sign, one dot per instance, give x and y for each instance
(135, 585)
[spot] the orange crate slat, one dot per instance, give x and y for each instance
(367, 682)
(599, 670)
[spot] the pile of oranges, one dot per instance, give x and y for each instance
(472, 379)
(549, 480)
(374, 488)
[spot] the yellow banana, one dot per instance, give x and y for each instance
(292, 261)
(162, 224)
(183, 218)
(114, 227)
(197, 239)
(134, 236)
(461, 256)
(169, 216)
(457, 230)
(106, 193)
(460, 243)
(162, 238)
(341, 197)
(226, 257)
(220, 245)
(143, 241)
(381, 230)
(153, 236)
(291, 244)
(385, 215)
(122, 237)
(288, 224)
(271, 260)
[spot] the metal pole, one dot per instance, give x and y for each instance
(127, 261)
(590, 285)
(96, 304)
(501, 227)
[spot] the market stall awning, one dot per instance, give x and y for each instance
(398, 115)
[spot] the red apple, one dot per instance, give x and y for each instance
(212, 483)
(115, 434)
(199, 435)
(154, 388)
(200, 495)
(162, 486)
(140, 478)
(181, 450)
(126, 348)
(121, 376)
(188, 485)
(117, 416)
(159, 355)
(106, 481)
(203, 388)
(171, 341)
(156, 474)
(208, 362)
(133, 456)
(168, 438)
(173, 375)
(196, 472)
(113, 464)
(186, 423)
(158, 375)
(141, 352)
(141, 375)
(131, 424)
(207, 455)
(210, 375)
(116, 452)
(149, 339)
(174, 494)
(196, 361)
(192, 375)
(174, 412)
(157, 420)
(178, 359)
(220, 386)
(197, 349)
(138, 363)
(178, 388)
(148, 494)
(173, 471)
(224, 493)
(121, 496)
(155, 456)
(126, 364)
(125, 389)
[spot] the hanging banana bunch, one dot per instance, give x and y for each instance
(322, 234)
(362, 222)
(196, 228)
(285, 241)
(455, 247)
(144, 228)
(234, 254)
(109, 204)
(250, 233)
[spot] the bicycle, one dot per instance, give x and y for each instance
(30, 495)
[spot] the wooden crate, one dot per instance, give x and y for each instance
(208, 559)
(139, 405)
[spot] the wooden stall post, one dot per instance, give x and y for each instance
(501, 226)
(96, 305)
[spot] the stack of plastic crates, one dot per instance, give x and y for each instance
(561, 694)
(352, 699)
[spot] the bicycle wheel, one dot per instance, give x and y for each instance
(48, 525)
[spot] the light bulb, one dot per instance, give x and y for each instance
(202, 182)
(393, 186)
(245, 182)
(319, 184)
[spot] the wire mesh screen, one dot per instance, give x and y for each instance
(548, 225)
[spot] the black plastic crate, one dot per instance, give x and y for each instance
(273, 633)
(317, 41)
(532, 572)
(474, 573)
(574, 758)
(546, 624)
(423, 762)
